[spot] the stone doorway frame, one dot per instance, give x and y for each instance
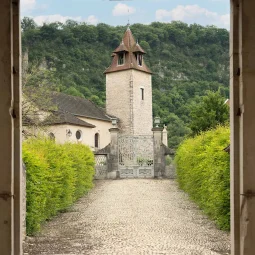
(242, 89)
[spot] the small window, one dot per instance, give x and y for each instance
(78, 135)
(52, 136)
(121, 59)
(142, 93)
(139, 59)
(96, 140)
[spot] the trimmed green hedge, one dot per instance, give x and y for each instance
(203, 172)
(57, 175)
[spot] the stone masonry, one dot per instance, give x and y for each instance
(118, 100)
(129, 88)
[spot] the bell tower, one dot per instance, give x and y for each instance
(129, 88)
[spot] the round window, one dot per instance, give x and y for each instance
(78, 135)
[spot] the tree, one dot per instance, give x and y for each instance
(37, 105)
(186, 60)
(209, 112)
(27, 24)
(176, 131)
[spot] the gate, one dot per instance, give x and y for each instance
(135, 156)
(100, 166)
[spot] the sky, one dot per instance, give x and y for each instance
(112, 12)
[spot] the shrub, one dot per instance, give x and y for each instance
(57, 175)
(203, 172)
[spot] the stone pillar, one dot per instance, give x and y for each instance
(234, 123)
(19, 179)
(10, 125)
(164, 136)
(243, 125)
(158, 160)
(113, 156)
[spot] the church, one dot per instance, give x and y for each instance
(128, 102)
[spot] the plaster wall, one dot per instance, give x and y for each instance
(102, 128)
(60, 134)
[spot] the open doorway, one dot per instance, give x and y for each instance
(162, 74)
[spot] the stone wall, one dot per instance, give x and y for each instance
(24, 208)
(118, 97)
(124, 100)
(142, 108)
(170, 172)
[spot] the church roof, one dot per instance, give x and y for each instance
(121, 48)
(57, 118)
(138, 48)
(78, 106)
(129, 46)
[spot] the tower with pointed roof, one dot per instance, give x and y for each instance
(129, 88)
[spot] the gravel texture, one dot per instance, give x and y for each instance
(133, 216)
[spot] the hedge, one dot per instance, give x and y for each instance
(57, 175)
(203, 172)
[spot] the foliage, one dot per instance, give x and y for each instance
(57, 175)
(186, 60)
(203, 172)
(38, 84)
(209, 112)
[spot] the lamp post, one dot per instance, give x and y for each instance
(157, 121)
(114, 122)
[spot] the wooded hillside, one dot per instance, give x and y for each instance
(187, 60)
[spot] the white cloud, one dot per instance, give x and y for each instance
(27, 5)
(193, 14)
(93, 20)
(59, 18)
(123, 10)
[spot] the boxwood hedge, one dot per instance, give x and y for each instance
(203, 172)
(57, 175)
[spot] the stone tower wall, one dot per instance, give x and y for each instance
(118, 98)
(125, 101)
(142, 109)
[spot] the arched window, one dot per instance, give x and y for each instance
(139, 59)
(78, 135)
(96, 140)
(52, 136)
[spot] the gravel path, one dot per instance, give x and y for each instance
(135, 216)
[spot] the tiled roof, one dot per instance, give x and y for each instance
(128, 43)
(78, 106)
(121, 48)
(57, 118)
(138, 48)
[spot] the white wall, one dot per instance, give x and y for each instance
(59, 132)
(88, 134)
(102, 128)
